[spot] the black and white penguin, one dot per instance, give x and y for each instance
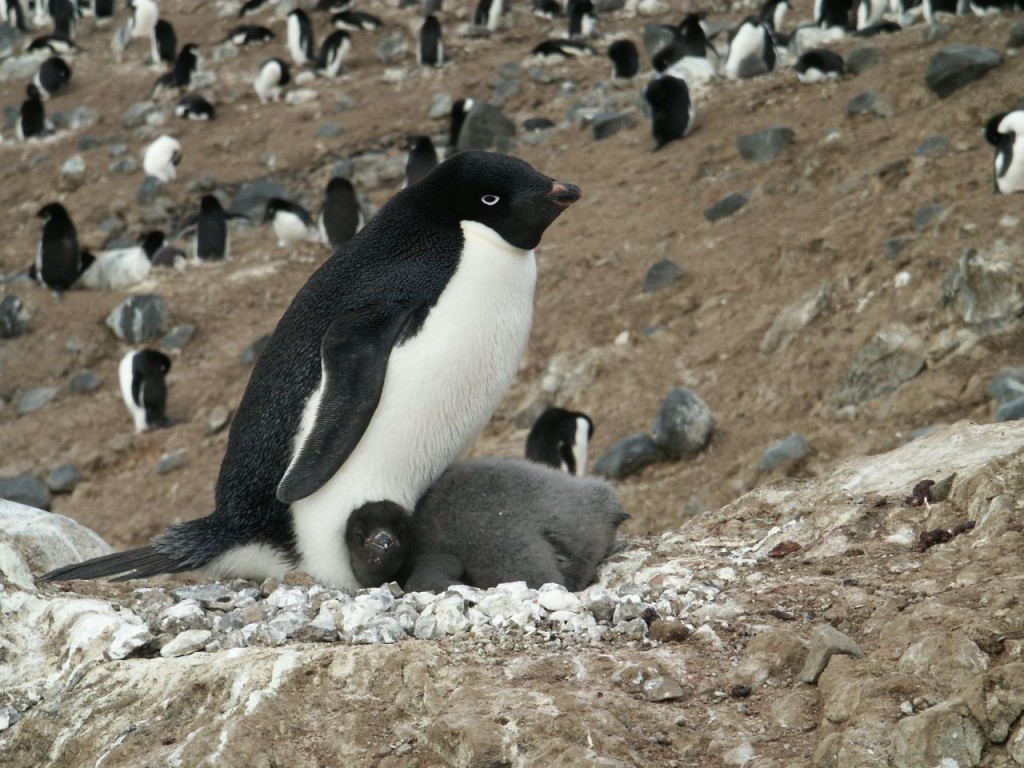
(32, 117)
(568, 49)
(247, 34)
(491, 521)
(1005, 131)
(385, 367)
(672, 110)
(333, 52)
(559, 438)
(751, 51)
(582, 19)
(13, 13)
(212, 241)
(830, 14)
(488, 14)
(58, 258)
(142, 376)
(300, 38)
(103, 11)
(53, 77)
(341, 216)
(162, 158)
(65, 17)
(625, 59)
(534, 124)
(192, 106)
(290, 221)
(378, 541)
(688, 39)
(460, 108)
(421, 159)
(773, 13)
(145, 14)
(186, 65)
(271, 77)
(430, 46)
(55, 44)
(819, 64)
(869, 13)
(354, 21)
(164, 43)
(250, 7)
(121, 268)
(547, 9)
(333, 6)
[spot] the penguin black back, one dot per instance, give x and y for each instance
(186, 65)
(559, 439)
(58, 259)
(430, 49)
(32, 117)
(671, 109)
(340, 218)
(421, 160)
(211, 230)
(149, 387)
(53, 77)
(460, 108)
(165, 42)
(625, 59)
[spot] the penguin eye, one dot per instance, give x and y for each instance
(490, 199)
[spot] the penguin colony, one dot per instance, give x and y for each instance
(689, 57)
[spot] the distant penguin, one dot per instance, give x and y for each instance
(492, 521)
(430, 46)
(186, 65)
(142, 376)
(354, 21)
(385, 367)
(273, 74)
(65, 17)
(582, 19)
(162, 157)
(145, 14)
(103, 10)
(333, 52)
(378, 541)
(751, 51)
(56, 44)
(300, 38)
(14, 14)
(32, 117)
(121, 268)
(290, 222)
(488, 14)
(333, 6)
(625, 59)
(192, 106)
(569, 49)
(250, 7)
(819, 64)
(672, 111)
(247, 34)
(53, 77)
(212, 240)
(58, 258)
(688, 39)
(533, 124)
(559, 438)
(164, 43)
(1005, 132)
(341, 216)
(773, 13)
(547, 9)
(421, 160)
(457, 116)
(834, 13)
(870, 12)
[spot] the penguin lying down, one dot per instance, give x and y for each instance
(487, 522)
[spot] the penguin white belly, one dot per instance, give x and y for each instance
(441, 388)
(289, 228)
(124, 377)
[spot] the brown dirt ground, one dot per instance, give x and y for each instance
(822, 211)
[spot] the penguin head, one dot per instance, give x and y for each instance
(338, 185)
(377, 537)
(53, 212)
(210, 204)
(152, 242)
(31, 91)
(501, 192)
(992, 128)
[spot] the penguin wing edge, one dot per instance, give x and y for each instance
(132, 564)
(354, 357)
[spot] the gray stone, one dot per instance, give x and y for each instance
(85, 143)
(207, 595)
(27, 490)
(137, 113)
(19, 68)
(84, 382)
(72, 172)
(8, 717)
(607, 124)
(996, 700)
(12, 317)
(218, 419)
(225, 52)
(628, 456)
(1016, 38)
(927, 216)
(149, 190)
(82, 117)
(789, 450)
(63, 479)
(788, 323)
(958, 65)
(893, 356)
(189, 641)
(1012, 410)
(683, 424)
(250, 353)
(392, 49)
(35, 399)
(440, 106)
(894, 246)
(486, 127)
(251, 198)
(942, 735)
(170, 462)
(726, 207)
(139, 318)
(328, 131)
(656, 37)
(661, 275)
(1007, 385)
(10, 117)
(764, 146)
(662, 689)
(504, 90)
(828, 642)
(540, 75)
(863, 58)
(124, 165)
(933, 145)
(869, 103)
(179, 336)
(985, 288)
(936, 31)
(10, 39)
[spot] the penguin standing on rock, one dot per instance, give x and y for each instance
(341, 216)
(142, 374)
(300, 38)
(58, 258)
(559, 438)
(385, 367)
(270, 80)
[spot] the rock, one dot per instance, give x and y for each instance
(440, 106)
(218, 419)
(328, 131)
(863, 58)
(298, 96)
(1007, 385)
(187, 642)
(486, 127)
(662, 689)
(393, 48)
(24, 490)
(933, 145)
(683, 423)
(607, 124)
(936, 31)
(893, 356)
(179, 336)
(788, 323)
(656, 37)
(928, 216)
(13, 319)
(19, 68)
(940, 736)
(661, 274)
(170, 462)
(139, 318)
(251, 198)
(82, 118)
(869, 103)
(10, 42)
(63, 479)
(786, 451)
(627, 457)
(36, 399)
(764, 146)
(1016, 39)
(1012, 410)
(250, 353)
(149, 190)
(958, 65)
(84, 382)
(828, 642)
(726, 207)
(136, 114)
(985, 288)
(894, 247)
(996, 700)
(123, 165)
(72, 173)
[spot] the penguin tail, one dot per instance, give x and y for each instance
(134, 564)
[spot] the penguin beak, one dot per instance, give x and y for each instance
(381, 541)
(563, 195)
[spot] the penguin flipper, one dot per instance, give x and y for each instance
(134, 564)
(354, 359)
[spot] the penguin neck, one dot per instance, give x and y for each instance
(474, 230)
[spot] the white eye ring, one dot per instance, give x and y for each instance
(490, 199)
